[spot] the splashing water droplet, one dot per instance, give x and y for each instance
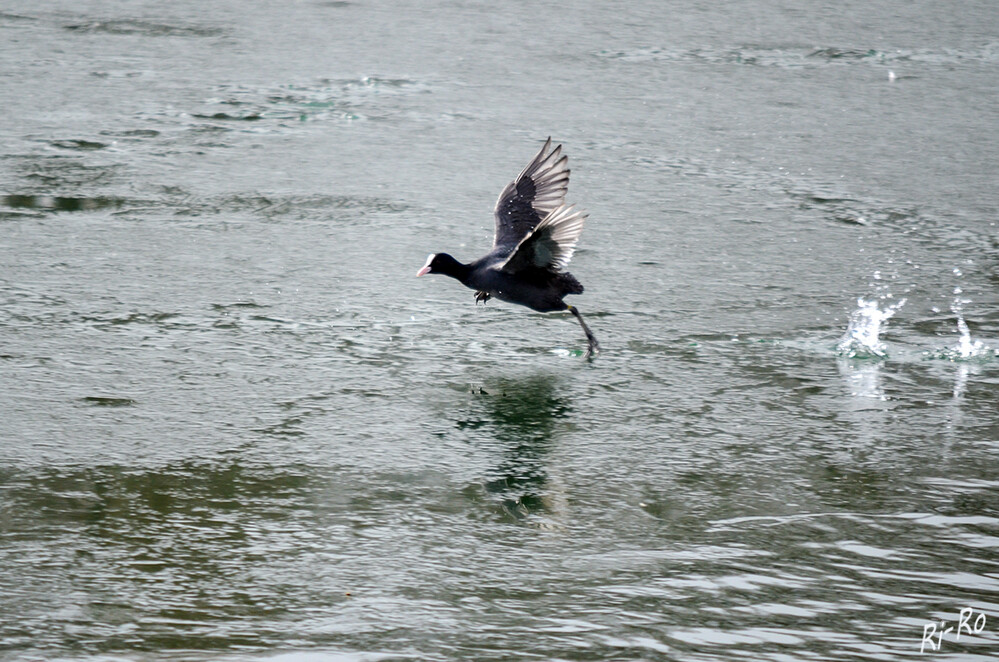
(862, 337)
(965, 347)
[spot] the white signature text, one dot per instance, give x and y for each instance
(967, 621)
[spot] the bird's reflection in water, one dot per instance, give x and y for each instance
(522, 416)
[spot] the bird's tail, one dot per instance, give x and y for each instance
(568, 284)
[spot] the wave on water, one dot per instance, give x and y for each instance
(795, 57)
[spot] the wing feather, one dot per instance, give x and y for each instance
(551, 244)
(537, 191)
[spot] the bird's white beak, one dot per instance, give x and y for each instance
(426, 267)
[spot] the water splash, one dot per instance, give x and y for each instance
(862, 337)
(966, 349)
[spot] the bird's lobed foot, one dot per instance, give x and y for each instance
(483, 297)
(592, 348)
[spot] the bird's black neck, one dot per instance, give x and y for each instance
(447, 265)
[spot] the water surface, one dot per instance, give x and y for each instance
(235, 427)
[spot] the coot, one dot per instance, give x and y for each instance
(536, 235)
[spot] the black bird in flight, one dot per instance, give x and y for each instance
(536, 235)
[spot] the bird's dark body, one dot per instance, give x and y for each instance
(539, 289)
(536, 234)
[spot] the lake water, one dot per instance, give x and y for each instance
(234, 426)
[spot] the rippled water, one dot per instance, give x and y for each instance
(235, 427)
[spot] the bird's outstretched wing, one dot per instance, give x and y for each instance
(551, 244)
(537, 191)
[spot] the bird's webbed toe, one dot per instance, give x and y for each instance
(483, 297)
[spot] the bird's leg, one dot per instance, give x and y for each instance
(593, 347)
(483, 297)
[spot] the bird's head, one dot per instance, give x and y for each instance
(439, 263)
